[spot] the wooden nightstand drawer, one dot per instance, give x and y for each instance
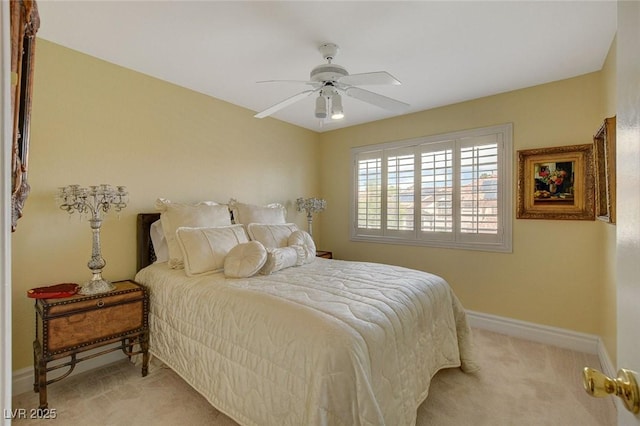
(125, 291)
(87, 327)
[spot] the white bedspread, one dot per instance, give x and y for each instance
(328, 343)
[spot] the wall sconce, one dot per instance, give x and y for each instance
(95, 201)
(310, 205)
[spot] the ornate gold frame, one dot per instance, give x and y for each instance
(25, 22)
(604, 143)
(577, 203)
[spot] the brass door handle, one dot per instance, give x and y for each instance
(625, 386)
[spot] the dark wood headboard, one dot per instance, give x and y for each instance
(145, 254)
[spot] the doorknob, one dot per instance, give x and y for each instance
(625, 386)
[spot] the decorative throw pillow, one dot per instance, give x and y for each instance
(283, 257)
(204, 249)
(304, 239)
(175, 215)
(250, 213)
(271, 236)
(245, 260)
(159, 242)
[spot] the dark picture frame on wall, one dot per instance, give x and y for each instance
(556, 183)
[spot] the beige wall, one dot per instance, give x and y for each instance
(93, 123)
(556, 272)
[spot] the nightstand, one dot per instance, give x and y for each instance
(66, 327)
(325, 254)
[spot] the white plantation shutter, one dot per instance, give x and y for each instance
(449, 190)
(479, 175)
(369, 192)
(400, 190)
(436, 190)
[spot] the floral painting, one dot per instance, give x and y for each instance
(556, 183)
(553, 182)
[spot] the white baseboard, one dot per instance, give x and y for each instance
(23, 378)
(554, 336)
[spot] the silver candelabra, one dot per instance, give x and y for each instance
(94, 201)
(311, 206)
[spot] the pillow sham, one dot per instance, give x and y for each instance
(283, 257)
(271, 236)
(304, 239)
(250, 213)
(245, 260)
(204, 249)
(175, 215)
(159, 242)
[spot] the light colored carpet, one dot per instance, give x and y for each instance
(520, 383)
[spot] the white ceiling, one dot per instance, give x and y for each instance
(442, 52)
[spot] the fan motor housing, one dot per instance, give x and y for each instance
(328, 72)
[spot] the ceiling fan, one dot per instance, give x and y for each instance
(330, 80)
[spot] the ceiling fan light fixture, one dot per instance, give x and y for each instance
(337, 112)
(321, 107)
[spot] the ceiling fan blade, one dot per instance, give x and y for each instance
(369, 78)
(277, 107)
(310, 83)
(376, 99)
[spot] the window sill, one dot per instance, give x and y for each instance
(490, 247)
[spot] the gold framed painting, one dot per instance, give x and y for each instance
(604, 144)
(556, 183)
(25, 21)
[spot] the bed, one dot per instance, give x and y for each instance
(327, 342)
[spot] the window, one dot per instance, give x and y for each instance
(450, 190)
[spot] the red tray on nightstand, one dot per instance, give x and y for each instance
(53, 291)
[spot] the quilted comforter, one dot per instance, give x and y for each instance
(327, 343)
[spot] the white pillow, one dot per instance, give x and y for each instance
(204, 249)
(304, 239)
(283, 257)
(175, 215)
(271, 236)
(249, 213)
(159, 242)
(245, 260)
